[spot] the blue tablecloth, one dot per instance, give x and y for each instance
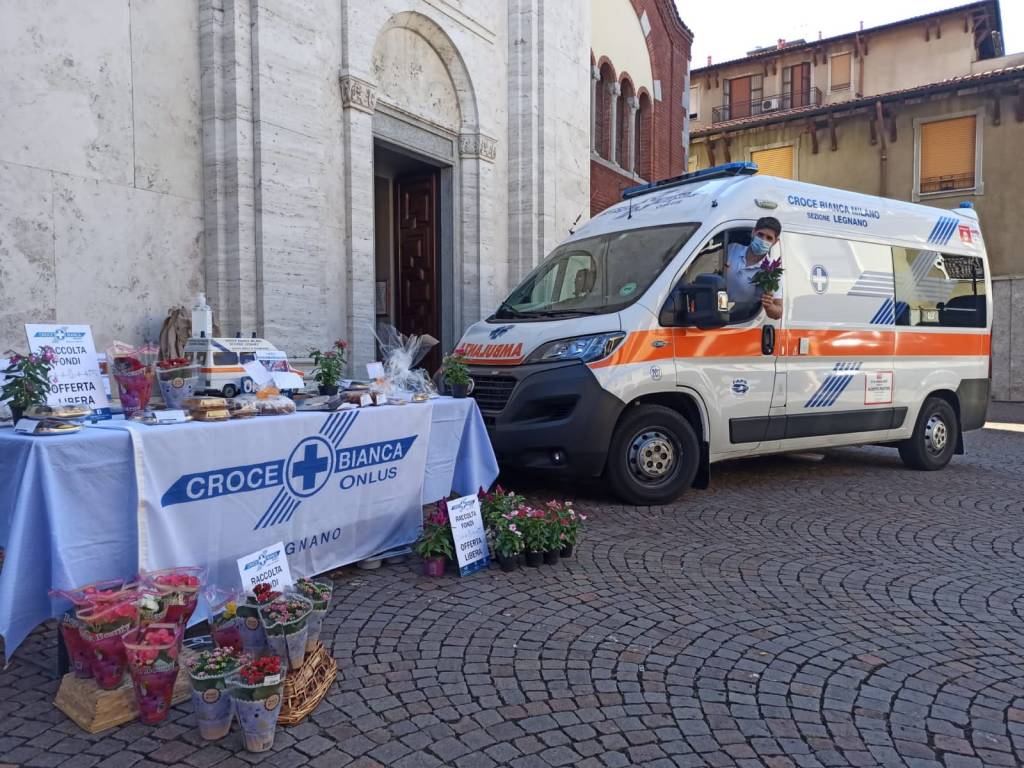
(69, 504)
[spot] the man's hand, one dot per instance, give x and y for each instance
(772, 306)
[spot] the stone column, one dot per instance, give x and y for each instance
(595, 79)
(632, 105)
(613, 134)
(358, 101)
(477, 153)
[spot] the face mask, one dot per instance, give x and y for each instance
(760, 246)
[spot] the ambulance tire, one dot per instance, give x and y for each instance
(654, 456)
(935, 437)
(230, 390)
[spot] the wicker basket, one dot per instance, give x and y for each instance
(95, 710)
(305, 689)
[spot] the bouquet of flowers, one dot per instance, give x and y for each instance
(208, 670)
(769, 275)
(254, 638)
(180, 590)
(70, 625)
(134, 384)
(286, 623)
(152, 654)
(152, 607)
(319, 594)
(225, 623)
(104, 626)
(178, 380)
(256, 689)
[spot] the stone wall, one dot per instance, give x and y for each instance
(100, 165)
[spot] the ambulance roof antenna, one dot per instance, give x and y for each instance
(630, 216)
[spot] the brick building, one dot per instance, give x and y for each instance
(640, 57)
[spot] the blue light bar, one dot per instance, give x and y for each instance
(966, 204)
(718, 172)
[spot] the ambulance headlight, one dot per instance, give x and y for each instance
(584, 348)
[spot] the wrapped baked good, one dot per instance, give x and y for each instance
(242, 407)
(212, 414)
(205, 403)
(56, 427)
(60, 412)
(274, 406)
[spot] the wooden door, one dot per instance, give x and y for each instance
(739, 98)
(418, 310)
(800, 85)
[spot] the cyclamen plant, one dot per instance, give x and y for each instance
(27, 379)
(769, 275)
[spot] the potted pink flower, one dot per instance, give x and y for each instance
(180, 590)
(435, 544)
(257, 692)
(103, 629)
(208, 671)
(286, 621)
(152, 654)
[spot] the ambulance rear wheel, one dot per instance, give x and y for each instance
(935, 436)
(653, 457)
(230, 390)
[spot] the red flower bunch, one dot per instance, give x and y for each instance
(265, 593)
(256, 672)
(185, 580)
(436, 539)
(176, 362)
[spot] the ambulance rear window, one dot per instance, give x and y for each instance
(225, 358)
(936, 289)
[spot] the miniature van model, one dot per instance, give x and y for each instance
(623, 354)
(221, 363)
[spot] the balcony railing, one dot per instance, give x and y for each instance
(764, 105)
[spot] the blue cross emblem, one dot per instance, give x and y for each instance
(309, 466)
(819, 278)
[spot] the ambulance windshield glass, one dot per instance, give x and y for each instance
(597, 274)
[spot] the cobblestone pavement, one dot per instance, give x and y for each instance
(813, 613)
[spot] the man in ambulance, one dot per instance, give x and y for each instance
(742, 263)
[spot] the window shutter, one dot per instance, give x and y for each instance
(840, 73)
(774, 162)
(947, 154)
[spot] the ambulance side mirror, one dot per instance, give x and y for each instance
(704, 303)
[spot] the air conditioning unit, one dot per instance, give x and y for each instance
(770, 105)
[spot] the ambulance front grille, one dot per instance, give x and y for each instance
(492, 393)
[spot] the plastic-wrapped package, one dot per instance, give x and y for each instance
(402, 354)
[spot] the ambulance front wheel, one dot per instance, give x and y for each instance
(935, 436)
(653, 457)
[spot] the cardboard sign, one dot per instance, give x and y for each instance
(375, 371)
(26, 426)
(269, 565)
(468, 533)
(878, 388)
(75, 376)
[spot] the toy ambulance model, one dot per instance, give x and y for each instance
(623, 353)
(221, 364)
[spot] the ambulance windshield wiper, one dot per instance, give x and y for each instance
(564, 312)
(506, 307)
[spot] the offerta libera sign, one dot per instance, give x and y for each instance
(75, 378)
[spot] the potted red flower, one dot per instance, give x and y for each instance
(435, 544)
(256, 689)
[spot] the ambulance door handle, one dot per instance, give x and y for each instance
(768, 339)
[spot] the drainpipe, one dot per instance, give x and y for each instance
(882, 152)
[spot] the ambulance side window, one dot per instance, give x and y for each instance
(712, 259)
(939, 290)
(225, 358)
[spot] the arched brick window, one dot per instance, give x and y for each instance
(642, 159)
(603, 96)
(624, 112)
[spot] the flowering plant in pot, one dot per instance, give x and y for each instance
(79, 651)
(456, 374)
(152, 607)
(285, 621)
(26, 381)
(254, 637)
(507, 535)
(435, 544)
(329, 365)
(256, 689)
(134, 384)
(103, 629)
(208, 671)
(225, 623)
(534, 523)
(318, 593)
(152, 654)
(570, 525)
(179, 588)
(494, 506)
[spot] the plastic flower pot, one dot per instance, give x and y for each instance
(177, 385)
(551, 557)
(179, 588)
(228, 634)
(287, 638)
(250, 628)
(135, 389)
(211, 701)
(319, 594)
(434, 566)
(534, 559)
(566, 551)
(508, 564)
(152, 654)
(103, 629)
(78, 650)
(257, 707)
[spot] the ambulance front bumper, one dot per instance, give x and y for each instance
(553, 416)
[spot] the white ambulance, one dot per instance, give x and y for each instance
(623, 353)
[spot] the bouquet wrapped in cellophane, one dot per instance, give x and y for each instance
(402, 354)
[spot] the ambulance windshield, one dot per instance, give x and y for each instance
(597, 274)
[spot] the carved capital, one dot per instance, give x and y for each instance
(478, 145)
(632, 103)
(614, 89)
(358, 94)
(595, 72)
